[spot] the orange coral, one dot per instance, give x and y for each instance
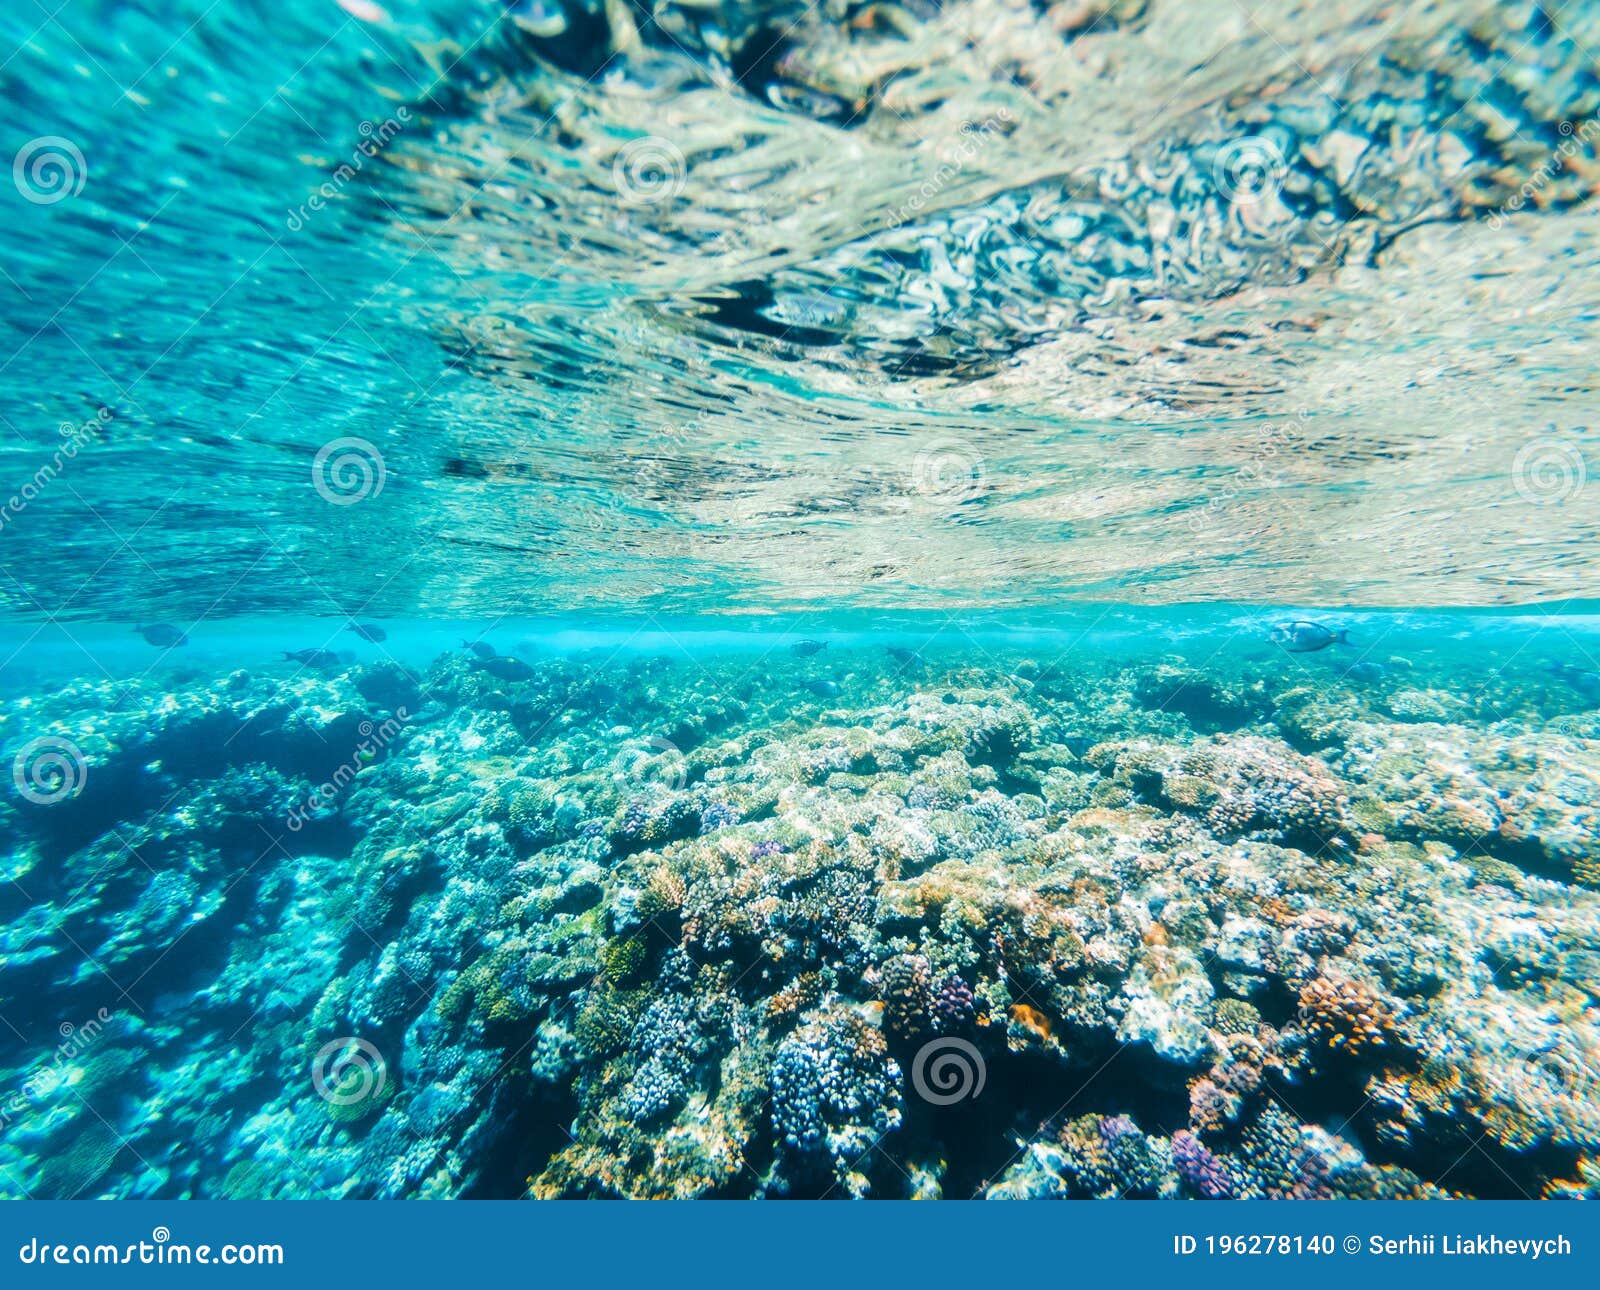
(1031, 1019)
(1346, 1016)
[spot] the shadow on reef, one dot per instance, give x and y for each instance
(820, 927)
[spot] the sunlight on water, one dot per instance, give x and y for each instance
(763, 307)
(733, 598)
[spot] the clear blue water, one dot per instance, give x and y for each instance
(852, 513)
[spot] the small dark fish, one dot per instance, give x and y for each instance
(805, 649)
(312, 657)
(1302, 637)
(481, 648)
(905, 656)
(368, 632)
(505, 667)
(164, 635)
(826, 689)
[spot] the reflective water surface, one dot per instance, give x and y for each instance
(759, 306)
(734, 598)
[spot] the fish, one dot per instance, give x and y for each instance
(805, 649)
(368, 632)
(1303, 637)
(312, 657)
(505, 667)
(481, 648)
(906, 657)
(164, 635)
(826, 689)
(1079, 745)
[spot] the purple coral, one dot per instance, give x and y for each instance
(1206, 1176)
(955, 1007)
(717, 815)
(1114, 1127)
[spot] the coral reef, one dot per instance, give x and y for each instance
(993, 925)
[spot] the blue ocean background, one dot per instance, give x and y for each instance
(603, 598)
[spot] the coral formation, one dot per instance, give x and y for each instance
(1190, 932)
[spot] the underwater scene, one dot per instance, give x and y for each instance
(895, 599)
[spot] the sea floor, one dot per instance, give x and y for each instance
(937, 920)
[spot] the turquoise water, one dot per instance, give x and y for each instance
(983, 598)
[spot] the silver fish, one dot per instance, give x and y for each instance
(1301, 636)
